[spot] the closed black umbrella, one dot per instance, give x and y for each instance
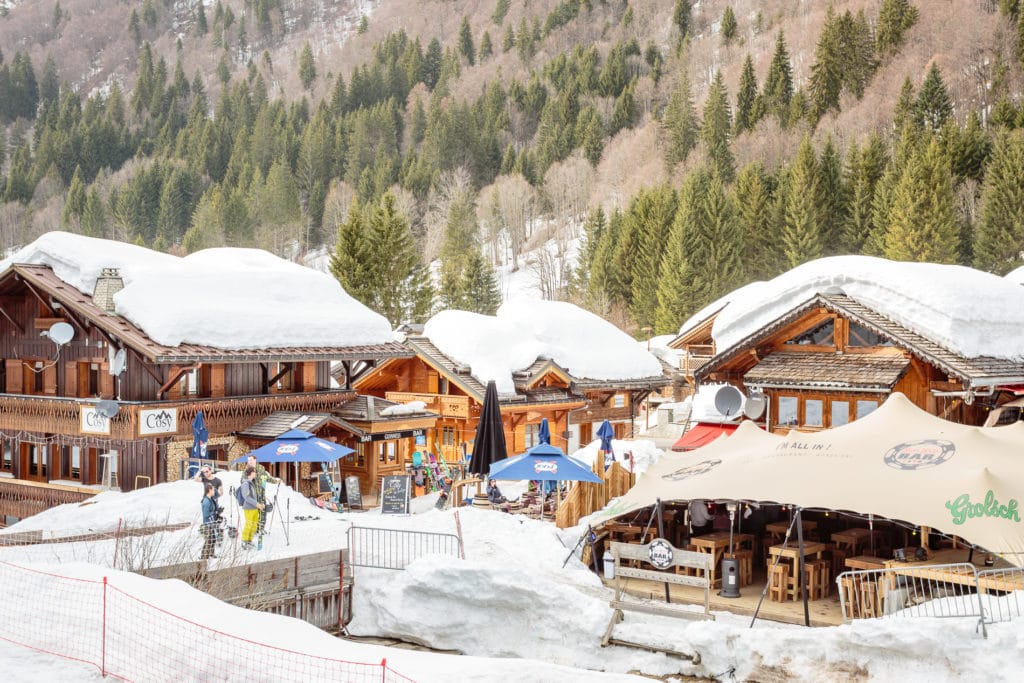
(489, 444)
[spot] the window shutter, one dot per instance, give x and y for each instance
(106, 382)
(71, 379)
(14, 376)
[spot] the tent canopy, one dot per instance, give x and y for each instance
(898, 462)
(701, 434)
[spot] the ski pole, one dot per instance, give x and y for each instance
(284, 524)
(270, 525)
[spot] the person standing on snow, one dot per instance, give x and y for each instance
(251, 507)
(262, 477)
(209, 527)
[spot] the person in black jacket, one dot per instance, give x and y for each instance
(209, 527)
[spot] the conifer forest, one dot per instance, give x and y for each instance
(641, 157)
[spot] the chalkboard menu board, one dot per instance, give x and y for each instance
(353, 496)
(323, 482)
(394, 495)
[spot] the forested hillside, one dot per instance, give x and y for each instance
(691, 146)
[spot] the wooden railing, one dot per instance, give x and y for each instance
(23, 499)
(695, 357)
(55, 415)
(447, 406)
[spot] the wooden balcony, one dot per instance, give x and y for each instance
(447, 406)
(23, 499)
(695, 357)
(56, 415)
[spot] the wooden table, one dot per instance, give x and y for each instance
(630, 533)
(716, 544)
(791, 553)
(921, 570)
(778, 529)
(865, 562)
(852, 540)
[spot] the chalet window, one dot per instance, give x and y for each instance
(71, 463)
(619, 401)
(861, 337)
(814, 412)
(93, 379)
(865, 408)
(840, 413)
(3, 374)
(442, 385)
(822, 335)
(7, 460)
(391, 449)
(189, 383)
(788, 410)
(36, 460)
(447, 436)
(37, 377)
(532, 432)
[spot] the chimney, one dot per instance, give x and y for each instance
(108, 284)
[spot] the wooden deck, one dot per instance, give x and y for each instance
(822, 612)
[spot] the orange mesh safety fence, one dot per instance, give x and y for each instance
(127, 638)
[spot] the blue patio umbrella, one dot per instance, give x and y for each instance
(200, 437)
(543, 462)
(297, 446)
(606, 433)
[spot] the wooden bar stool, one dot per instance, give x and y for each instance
(869, 599)
(778, 588)
(848, 586)
(812, 572)
(824, 576)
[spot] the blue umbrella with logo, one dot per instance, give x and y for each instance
(606, 434)
(297, 446)
(200, 437)
(543, 462)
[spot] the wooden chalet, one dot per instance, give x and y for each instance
(574, 407)
(833, 359)
(55, 435)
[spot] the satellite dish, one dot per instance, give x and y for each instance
(755, 406)
(60, 333)
(117, 363)
(108, 409)
(728, 400)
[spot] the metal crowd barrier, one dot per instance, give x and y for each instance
(944, 590)
(396, 548)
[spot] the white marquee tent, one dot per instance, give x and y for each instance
(899, 462)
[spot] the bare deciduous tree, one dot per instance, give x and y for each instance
(455, 185)
(513, 203)
(567, 187)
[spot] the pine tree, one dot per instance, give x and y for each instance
(486, 46)
(999, 243)
(969, 155)
(650, 217)
(894, 18)
(460, 240)
(401, 287)
(500, 10)
(833, 194)
(350, 263)
(933, 106)
(802, 235)
(778, 84)
(94, 217)
(593, 230)
(466, 48)
(307, 67)
(746, 116)
(201, 26)
(480, 285)
(74, 207)
(679, 123)
(752, 199)
(728, 24)
(904, 110)
(864, 167)
(827, 70)
(717, 129)
(677, 291)
(508, 41)
(723, 270)
(681, 18)
(923, 225)
(603, 283)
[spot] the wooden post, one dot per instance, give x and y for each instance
(800, 563)
(661, 534)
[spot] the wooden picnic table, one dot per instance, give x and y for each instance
(791, 553)
(853, 540)
(716, 544)
(778, 529)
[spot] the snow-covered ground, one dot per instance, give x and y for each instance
(511, 606)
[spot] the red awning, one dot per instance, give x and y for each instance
(1017, 389)
(701, 435)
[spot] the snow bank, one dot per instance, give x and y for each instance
(524, 330)
(228, 298)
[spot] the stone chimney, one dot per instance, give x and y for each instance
(108, 284)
